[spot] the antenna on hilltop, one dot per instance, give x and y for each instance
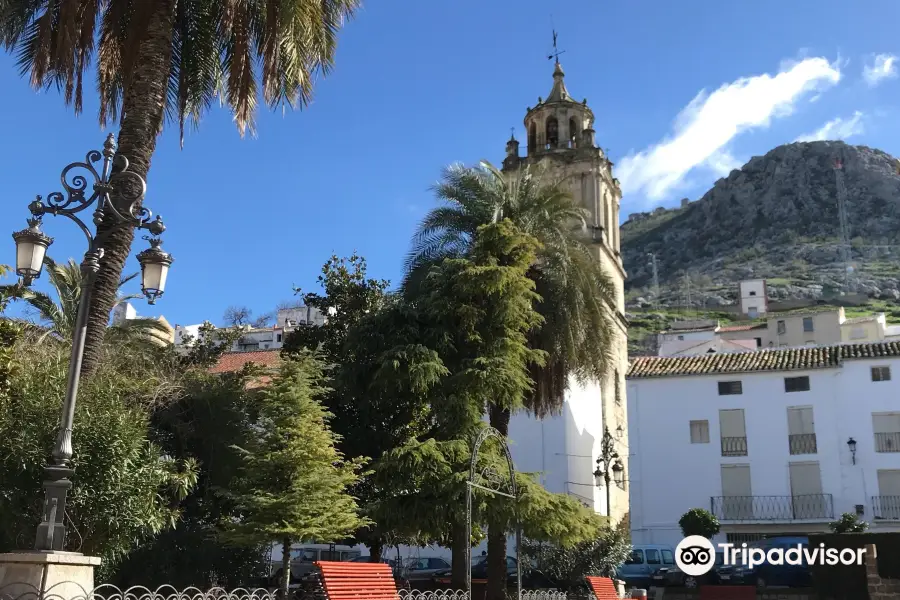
(556, 51)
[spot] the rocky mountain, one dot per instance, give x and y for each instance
(777, 218)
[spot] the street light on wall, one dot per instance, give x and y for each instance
(31, 249)
(851, 443)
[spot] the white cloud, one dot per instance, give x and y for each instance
(836, 129)
(705, 127)
(883, 66)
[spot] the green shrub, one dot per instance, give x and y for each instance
(698, 521)
(848, 523)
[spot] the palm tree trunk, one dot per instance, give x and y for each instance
(496, 545)
(375, 550)
(143, 108)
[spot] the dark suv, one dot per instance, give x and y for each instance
(767, 574)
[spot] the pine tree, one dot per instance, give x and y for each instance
(294, 482)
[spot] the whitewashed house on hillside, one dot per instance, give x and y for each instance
(772, 441)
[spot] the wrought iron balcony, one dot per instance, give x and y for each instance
(802, 443)
(887, 442)
(886, 508)
(773, 508)
(734, 446)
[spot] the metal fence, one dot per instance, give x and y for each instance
(72, 591)
(68, 590)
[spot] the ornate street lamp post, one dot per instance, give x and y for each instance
(606, 463)
(31, 248)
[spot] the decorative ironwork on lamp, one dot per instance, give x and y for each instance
(31, 250)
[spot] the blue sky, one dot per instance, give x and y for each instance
(682, 92)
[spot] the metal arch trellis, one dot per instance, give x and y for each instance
(494, 485)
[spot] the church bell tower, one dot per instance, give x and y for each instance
(560, 141)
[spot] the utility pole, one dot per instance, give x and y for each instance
(687, 291)
(655, 280)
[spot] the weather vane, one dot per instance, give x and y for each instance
(556, 51)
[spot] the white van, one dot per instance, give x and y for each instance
(304, 555)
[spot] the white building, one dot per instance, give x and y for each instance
(772, 441)
(754, 297)
(261, 338)
(125, 311)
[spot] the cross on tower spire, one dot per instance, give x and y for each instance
(556, 51)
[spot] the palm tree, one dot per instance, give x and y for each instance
(58, 317)
(577, 297)
(168, 59)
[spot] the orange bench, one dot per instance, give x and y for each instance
(357, 581)
(727, 592)
(603, 588)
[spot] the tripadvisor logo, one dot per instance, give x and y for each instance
(695, 555)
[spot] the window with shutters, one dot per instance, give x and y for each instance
(730, 388)
(887, 503)
(886, 427)
(733, 432)
(782, 328)
(808, 324)
(736, 502)
(881, 373)
(700, 432)
(796, 384)
(807, 499)
(801, 430)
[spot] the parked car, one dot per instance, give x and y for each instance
(766, 574)
(423, 568)
(531, 578)
(644, 560)
(671, 575)
(365, 559)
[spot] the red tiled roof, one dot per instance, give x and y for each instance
(234, 361)
(782, 359)
(741, 327)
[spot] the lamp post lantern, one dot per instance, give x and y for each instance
(607, 463)
(31, 249)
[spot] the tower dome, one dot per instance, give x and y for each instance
(559, 122)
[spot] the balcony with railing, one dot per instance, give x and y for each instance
(802, 443)
(734, 446)
(886, 508)
(887, 442)
(809, 507)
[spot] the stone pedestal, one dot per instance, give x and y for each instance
(47, 575)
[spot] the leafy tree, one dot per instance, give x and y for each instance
(58, 317)
(485, 304)
(698, 521)
(372, 413)
(169, 58)
(211, 419)
(126, 489)
(293, 482)
(848, 523)
(568, 566)
(349, 295)
(577, 298)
